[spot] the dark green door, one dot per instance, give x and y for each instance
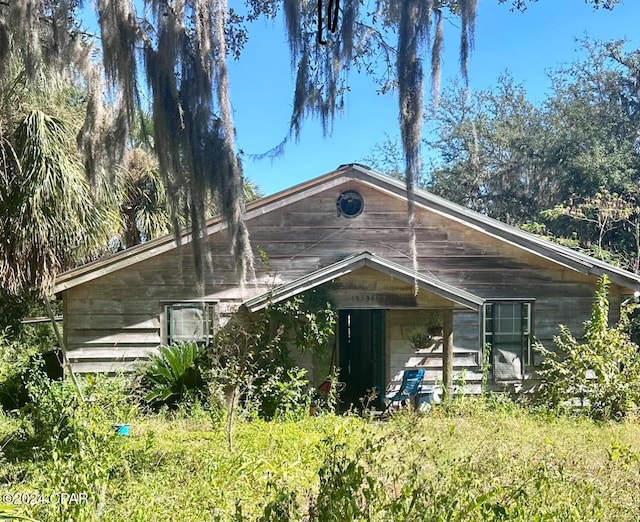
(361, 348)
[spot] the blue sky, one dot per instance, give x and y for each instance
(527, 45)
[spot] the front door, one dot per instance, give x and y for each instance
(361, 349)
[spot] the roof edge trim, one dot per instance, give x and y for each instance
(354, 262)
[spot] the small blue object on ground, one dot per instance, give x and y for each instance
(122, 429)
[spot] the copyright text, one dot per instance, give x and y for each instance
(32, 499)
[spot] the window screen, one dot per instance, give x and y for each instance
(508, 332)
(189, 322)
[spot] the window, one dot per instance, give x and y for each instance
(189, 322)
(350, 204)
(507, 328)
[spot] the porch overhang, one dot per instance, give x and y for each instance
(352, 263)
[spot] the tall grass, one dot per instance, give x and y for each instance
(467, 462)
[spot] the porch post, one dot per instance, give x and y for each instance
(447, 352)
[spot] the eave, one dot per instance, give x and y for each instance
(458, 297)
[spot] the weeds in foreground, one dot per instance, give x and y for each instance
(470, 459)
(470, 462)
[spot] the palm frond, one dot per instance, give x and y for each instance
(49, 215)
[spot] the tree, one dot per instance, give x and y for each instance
(143, 199)
(141, 193)
(603, 212)
(49, 218)
(491, 148)
(594, 113)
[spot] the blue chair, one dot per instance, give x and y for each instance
(411, 380)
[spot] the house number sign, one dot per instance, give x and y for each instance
(364, 298)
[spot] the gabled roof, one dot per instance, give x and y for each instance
(354, 262)
(551, 251)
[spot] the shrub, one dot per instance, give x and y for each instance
(249, 364)
(601, 374)
(173, 374)
(283, 394)
(24, 348)
(50, 408)
(15, 359)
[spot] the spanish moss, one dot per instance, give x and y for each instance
(436, 53)
(182, 48)
(362, 43)
(413, 29)
(468, 12)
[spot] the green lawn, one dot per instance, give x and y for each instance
(469, 464)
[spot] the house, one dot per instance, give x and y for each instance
(478, 282)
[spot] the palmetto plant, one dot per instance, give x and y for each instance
(48, 216)
(143, 198)
(173, 373)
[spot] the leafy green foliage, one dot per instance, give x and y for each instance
(345, 488)
(173, 374)
(32, 349)
(240, 350)
(251, 352)
(282, 394)
(600, 374)
(573, 154)
(249, 365)
(284, 507)
(10, 513)
(71, 445)
(15, 359)
(13, 308)
(309, 318)
(490, 145)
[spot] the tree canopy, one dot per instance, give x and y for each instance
(567, 166)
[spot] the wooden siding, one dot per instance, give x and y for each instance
(402, 355)
(122, 312)
(368, 288)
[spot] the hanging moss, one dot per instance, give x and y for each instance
(363, 42)
(183, 46)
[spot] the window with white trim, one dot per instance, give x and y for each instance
(189, 321)
(508, 331)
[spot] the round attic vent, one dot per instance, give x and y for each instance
(350, 204)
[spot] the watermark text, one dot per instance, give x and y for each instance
(33, 498)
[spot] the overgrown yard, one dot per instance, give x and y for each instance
(227, 436)
(469, 461)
